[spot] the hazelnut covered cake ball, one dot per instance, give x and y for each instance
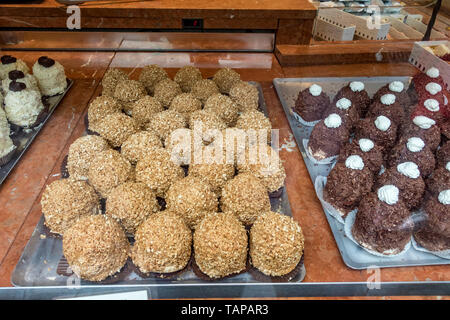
(224, 107)
(245, 96)
(208, 122)
(151, 75)
(225, 79)
(136, 147)
(9, 63)
(127, 92)
(166, 90)
(131, 203)
(246, 197)
(276, 244)
(101, 107)
(66, 200)
(185, 104)
(162, 244)
(158, 171)
(191, 198)
(50, 75)
(81, 153)
(203, 89)
(257, 121)
(165, 122)
(96, 247)
(180, 146)
(108, 170)
(144, 109)
(187, 76)
(110, 81)
(220, 245)
(116, 128)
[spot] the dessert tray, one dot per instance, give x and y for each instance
(23, 138)
(353, 255)
(42, 262)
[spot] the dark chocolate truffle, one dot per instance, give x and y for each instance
(7, 59)
(16, 74)
(17, 86)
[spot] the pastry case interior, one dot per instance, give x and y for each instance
(351, 95)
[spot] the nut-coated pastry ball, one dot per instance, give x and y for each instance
(151, 75)
(127, 92)
(276, 244)
(130, 204)
(116, 128)
(225, 79)
(220, 245)
(137, 145)
(224, 107)
(166, 90)
(66, 200)
(162, 244)
(187, 76)
(203, 89)
(144, 109)
(101, 107)
(256, 121)
(108, 170)
(185, 104)
(206, 123)
(245, 96)
(246, 197)
(96, 247)
(165, 122)
(110, 81)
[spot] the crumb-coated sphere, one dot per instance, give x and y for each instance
(166, 90)
(225, 79)
(66, 200)
(265, 164)
(111, 79)
(116, 128)
(220, 245)
(108, 170)
(185, 103)
(206, 122)
(246, 197)
(203, 89)
(276, 244)
(101, 107)
(191, 198)
(137, 145)
(96, 247)
(224, 107)
(162, 244)
(245, 96)
(255, 120)
(181, 147)
(128, 91)
(158, 171)
(144, 109)
(130, 204)
(81, 153)
(187, 76)
(165, 122)
(151, 75)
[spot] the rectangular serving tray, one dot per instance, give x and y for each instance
(24, 137)
(38, 265)
(353, 255)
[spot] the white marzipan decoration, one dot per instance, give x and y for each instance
(396, 86)
(333, 121)
(423, 122)
(409, 169)
(366, 144)
(387, 99)
(382, 123)
(444, 197)
(356, 86)
(432, 105)
(354, 162)
(315, 90)
(433, 72)
(343, 104)
(433, 88)
(415, 144)
(388, 194)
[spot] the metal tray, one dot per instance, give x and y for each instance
(41, 258)
(23, 138)
(354, 256)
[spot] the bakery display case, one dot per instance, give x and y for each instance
(102, 201)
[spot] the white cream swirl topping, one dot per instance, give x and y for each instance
(423, 122)
(356, 86)
(388, 194)
(396, 86)
(444, 197)
(343, 104)
(382, 123)
(354, 162)
(387, 99)
(315, 90)
(366, 144)
(447, 166)
(433, 72)
(409, 169)
(333, 121)
(432, 105)
(433, 88)
(415, 144)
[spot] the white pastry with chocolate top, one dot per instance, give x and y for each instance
(50, 75)
(23, 107)
(9, 63)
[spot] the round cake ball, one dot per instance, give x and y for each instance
(311, 103)
(101, 107)
(220, 245)
(187, 76)
(151, 75)
(96, 247)
(158, 171)
(81, 153)
(423, 128)
(439, 180)
(356, 93)
(225, 79)
(166, 90)
(66, 200)
(185, 104)
(129, 91)
(130, 204)
(388, 106)
(224, 107)
(343, 107)
(50, 75)
(180, 145)
(23, 106)
(246, 197)
(206, 123)
(136, 147)
(203, 89)
(255, 120)
(162, 244)
(108, 170)
(110, 81)
(191, 198)
(276, 244)
(245, 96)
(165, 122)
(144, 109)
(18, 76)
(9, 63)
(371, 153)
(116, 128)
(265, 164)
(381, 130)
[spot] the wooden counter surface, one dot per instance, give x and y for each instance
(20, 193)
